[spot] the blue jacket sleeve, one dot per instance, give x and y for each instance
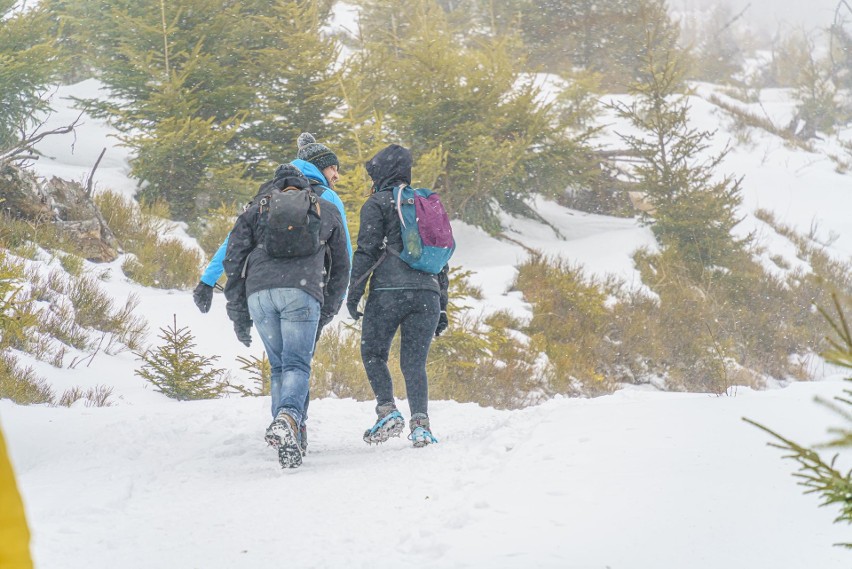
(214, 268)
(331, 196)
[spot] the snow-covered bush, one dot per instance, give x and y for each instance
(97, 396)
(21, 384)
(162, 262)
(477, 359)
(212, 229)
(569, 324)
(24, 238)
(78, 313)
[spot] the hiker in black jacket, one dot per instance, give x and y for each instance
(289, 299)
(400, 298)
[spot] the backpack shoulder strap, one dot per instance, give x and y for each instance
(318, 187)
(375, 265)
(399, 199)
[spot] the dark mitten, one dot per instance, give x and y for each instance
(323, 322)
(352, 307)
(243, 330)
(203, 297)
(443, 322)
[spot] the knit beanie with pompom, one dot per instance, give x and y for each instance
(317, 154)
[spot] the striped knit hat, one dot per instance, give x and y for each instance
(317, 154)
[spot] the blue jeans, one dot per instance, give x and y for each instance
(286, 320)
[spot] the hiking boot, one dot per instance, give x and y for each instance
(272, 440)
(389, 424)
(282, 434)
(420, 433)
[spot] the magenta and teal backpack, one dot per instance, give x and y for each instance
(427, 237)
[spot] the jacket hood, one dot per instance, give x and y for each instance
(310, 171)
(285, 175)
(390, 167)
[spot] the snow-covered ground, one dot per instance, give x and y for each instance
(635, 480)
(638, 479)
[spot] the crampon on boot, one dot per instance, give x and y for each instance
(389, 424)
(420, 434)
(281, 434)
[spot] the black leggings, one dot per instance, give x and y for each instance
(416, 313)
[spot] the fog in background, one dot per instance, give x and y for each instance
(772, 15)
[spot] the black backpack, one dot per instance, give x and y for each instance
(290, 216)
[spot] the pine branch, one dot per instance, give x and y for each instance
(816, 475)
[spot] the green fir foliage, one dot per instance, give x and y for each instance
(260, 372)
(212, 94)
(440, 88)
(603, 37)
(29, 59)
(361, 134)
(819, 108)
(693, 211)
(177, 371)
(817, 474)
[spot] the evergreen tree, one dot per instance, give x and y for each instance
(212, 94)
(361, 133)
(815, 81)
(819, 109)
(177, 371)
(718, 45)
(440, 87)
(29, 59)
(694, 213)
(603, 37)
(260, 371)
(841, 45)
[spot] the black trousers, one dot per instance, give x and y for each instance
(415, 313)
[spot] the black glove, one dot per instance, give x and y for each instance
(243, 330)
(443, 322)
(323, 322)
(203, 297)
(352, 307)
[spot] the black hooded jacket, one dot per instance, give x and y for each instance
(250, 269)
(380, 227)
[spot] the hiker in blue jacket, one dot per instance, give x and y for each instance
(287, 282)
(401, 298)
(320, 165)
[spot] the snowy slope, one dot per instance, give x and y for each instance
(638, 479)
(72, 157)
(635, 480)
